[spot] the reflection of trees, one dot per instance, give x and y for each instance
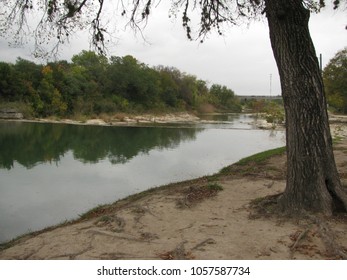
(31, 143)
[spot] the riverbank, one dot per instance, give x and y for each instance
(121, 119)
(338, 123)
(207, 218)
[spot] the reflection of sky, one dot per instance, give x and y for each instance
(50, 193)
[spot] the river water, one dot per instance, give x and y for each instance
(50, 173)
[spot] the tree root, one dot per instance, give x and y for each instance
(328, 237)
(203, 243)
(267, 207)
(340, 196)
(264, 207)
(179, 253)
(300, 237)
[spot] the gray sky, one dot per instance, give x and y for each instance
(242, 59)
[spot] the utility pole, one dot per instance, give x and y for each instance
(321, 63)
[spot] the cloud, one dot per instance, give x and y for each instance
(241, 60)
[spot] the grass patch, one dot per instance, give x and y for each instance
(248, 165)
(24, 236)
(261, 157)
(337, 139)
(105, 219)
(214, 187)
(254, 165)
(94, 212)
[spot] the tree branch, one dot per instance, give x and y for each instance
(60, 18)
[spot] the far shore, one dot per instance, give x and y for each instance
(123, 119)
(338, 123)
(148, 119)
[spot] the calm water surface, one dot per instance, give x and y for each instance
(53, 172)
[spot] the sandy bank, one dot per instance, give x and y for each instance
(187, 221)
(123, 119)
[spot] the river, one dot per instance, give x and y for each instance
(50, 173)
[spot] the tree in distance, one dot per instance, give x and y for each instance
(313, 183)
(335, 81)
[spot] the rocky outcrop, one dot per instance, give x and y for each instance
(9, 113)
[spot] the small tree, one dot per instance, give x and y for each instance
(225, 98)
(335, 81)
(313, 182)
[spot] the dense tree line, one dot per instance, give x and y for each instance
(92, 84)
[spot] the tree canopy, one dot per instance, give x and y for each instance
(92, 84)
(52, 22)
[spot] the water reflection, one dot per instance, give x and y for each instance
(49, 173)
(33, 143)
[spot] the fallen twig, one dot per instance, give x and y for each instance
(300, 237)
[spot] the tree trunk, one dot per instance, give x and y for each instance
(313, 182)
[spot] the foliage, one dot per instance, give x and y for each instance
(93, 85)
(335, 81)
(59, 19)
(273, 109)
(21, 107)
(274, 113)
(223, 97)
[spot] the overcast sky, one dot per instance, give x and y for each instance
(242, 59)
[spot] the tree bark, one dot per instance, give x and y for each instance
(313, 182)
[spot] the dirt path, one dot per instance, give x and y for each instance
(193, 220)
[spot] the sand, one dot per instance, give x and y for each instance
(190, 220)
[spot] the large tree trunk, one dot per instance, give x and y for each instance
(313, 182)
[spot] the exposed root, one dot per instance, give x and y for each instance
(301, 236)
(328, 237)
(268, 207)
(179, 253)
(341, 198)
(264, 206)
(111, 223)
(194, 195)
(203, 244)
